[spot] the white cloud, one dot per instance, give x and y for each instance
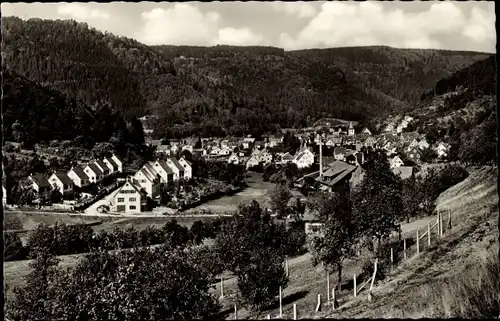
(185, 24)
(80, 12)
(300, 9)
(370, 23)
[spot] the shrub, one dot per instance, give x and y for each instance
(13, 248)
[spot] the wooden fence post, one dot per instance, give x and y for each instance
(286, 267)
(374, 274)
(438, 222)
(295, 311)
(269, 317)
(418, 243)
(222, 287)
(392, 260)
(404, 247)
(281, 306)
(449, 219)
(235, 312)
(318, 305)
(327, 286)
(441, 224)
(429, 234)
(334, 302)
(355, 286)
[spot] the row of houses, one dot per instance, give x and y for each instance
(149, 181)
(78, 176)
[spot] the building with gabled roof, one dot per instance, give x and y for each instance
(94, 173)
(304, 158)
(148, 179)
(118, 162)
(176, 167)
(41, 185)
(396, 161)
(339, 153)
(78, 176)
(188, 168)
(61, 182)
(112, 166)
(130, 198)
(166, 173)
(103, 167)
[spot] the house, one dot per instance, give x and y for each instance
(339, 153)
(333, 140)
(396, 162)
(413, 144)
(215, 151)
(312, 223)
(286, 158)
(112, 166)
(403, 172)
(423, 144)
(118, 162)
(4, 196)
(389, 127)
(94, 173)
(78, 176)
(225, 151)
(273, 141)
(336, 177)
(414, 154)
(165, 172)
(233, 159)
(148, 179)
(188, 168)
(442, 149)
(366, 131)
(130, 198)
(248, 142)
(102, 167)
(370, 142)
(165, 149)
(176, 167)
(252, 162)
(61, 182)
(174, 147)
(189, 148)
(41, 185)
(265, 157)
(304, 158)
(350, 130)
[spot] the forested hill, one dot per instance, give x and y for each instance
(220, 90)
(404, 74)
(33, 114)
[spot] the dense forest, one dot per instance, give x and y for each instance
(223, 89)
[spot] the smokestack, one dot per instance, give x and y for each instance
(320, 157)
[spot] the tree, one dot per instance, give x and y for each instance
(13, 248)
(411, 198)
(279, 199)
(377, 203)
(428, 155)
(197, 232)
(338, 233)
(253, 247)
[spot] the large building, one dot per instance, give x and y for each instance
(129, 198)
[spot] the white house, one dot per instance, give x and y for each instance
(129, 198)
(61, 182)
(166, 173)
(252, 161)
(265, 157)
(413, 144)
(396, 162)
(303, 159)
(225, 151)
(42, 186)
(102, 167)
(78, 176)
(215, 150)
(442, 149)
(423, 144)
(188, 168)
(176, 167)
(366, 131)
(94, 173)
(233, 159)
(248, 142)
(350, 130)
(147, 179)
(113, 167)
(118, 162)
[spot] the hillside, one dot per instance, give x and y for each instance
(403, 74)
(220, 90)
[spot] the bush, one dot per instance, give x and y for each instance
(13, 248)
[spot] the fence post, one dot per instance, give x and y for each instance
(392, 260)
(222, 287)
(374, 274)
(269, 317)
(449, 219)
(429, 234)
(404, 247)
(399, 232)
(333, 299)
(355, 286)
(318, 305)
(441, 224)
(438, 222)
(295, 311)
(235, 312)
(327, 286)
(418, 243)
(286, 267)
(281, 306)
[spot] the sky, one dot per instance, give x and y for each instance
(449, 25)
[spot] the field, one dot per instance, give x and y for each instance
(414, 289)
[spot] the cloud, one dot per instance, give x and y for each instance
(340, 24)
(300, 9)
(81, 12)
(185, 24)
